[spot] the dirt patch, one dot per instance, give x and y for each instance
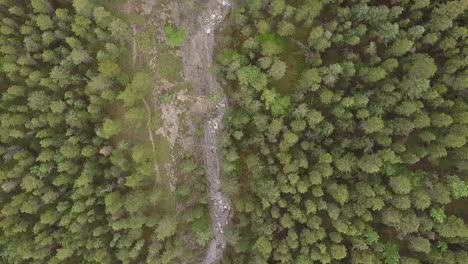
(170, 112)
(147, 6)
(134, 45)
(198, 105)
(128, 8)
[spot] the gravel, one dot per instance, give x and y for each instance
(197, 57)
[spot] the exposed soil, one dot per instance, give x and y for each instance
(202, 18)
(197, 56)
(169, 109)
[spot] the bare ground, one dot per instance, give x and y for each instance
(169, 111)
(197, 57)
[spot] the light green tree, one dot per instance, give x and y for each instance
(373, 124)
(110, 128)
(400, 184)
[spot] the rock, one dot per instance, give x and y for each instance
(106, 151)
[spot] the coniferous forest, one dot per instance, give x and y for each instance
(72, 190)
(347, 136)
(344, 140)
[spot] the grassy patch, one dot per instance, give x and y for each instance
(168, 65)
(119, 9)
(175, 36)
(134, 121)
(163, 150)
(296, 63)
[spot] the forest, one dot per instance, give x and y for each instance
(346, 140)
(74, 189)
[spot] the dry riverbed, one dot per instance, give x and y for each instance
(197, 57)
